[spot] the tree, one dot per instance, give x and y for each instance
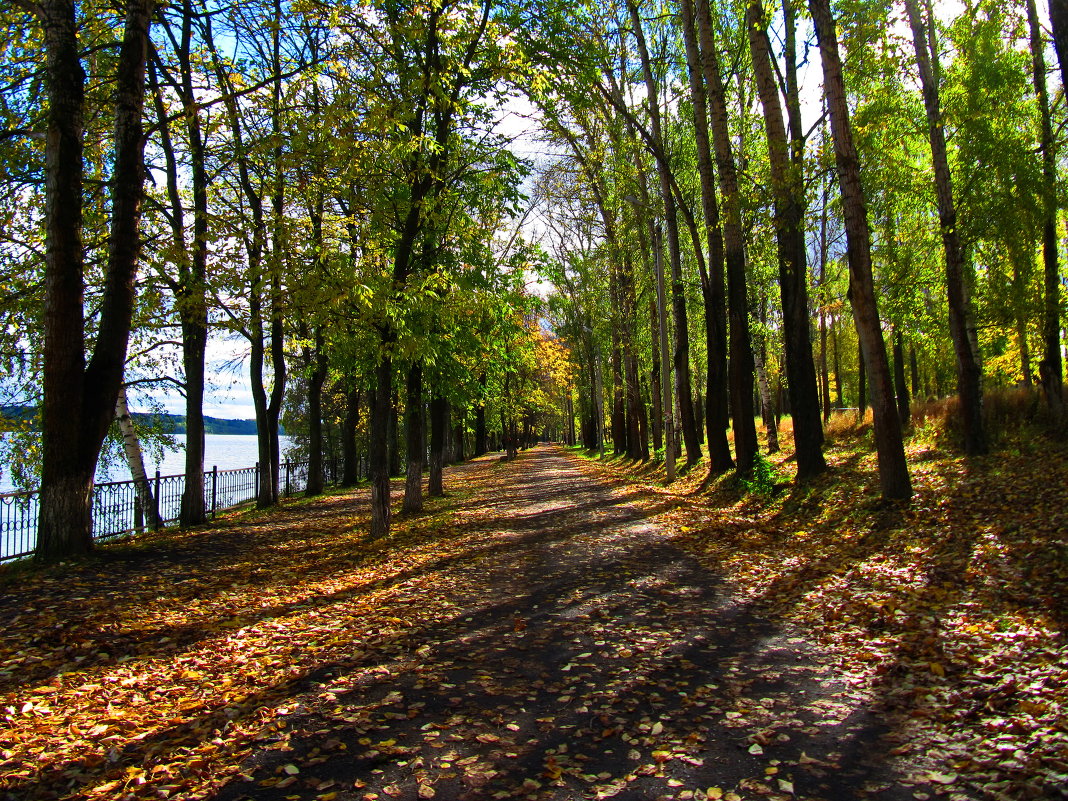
(969, 372)
(788, 191)
(893, 469)
(80, 396)
(1051, 369)
(681, 357)
(740, 348)
(717, 412)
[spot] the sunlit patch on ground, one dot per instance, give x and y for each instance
(544, 633)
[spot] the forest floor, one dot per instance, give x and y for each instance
(559, 628)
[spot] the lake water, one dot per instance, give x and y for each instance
(225, 451)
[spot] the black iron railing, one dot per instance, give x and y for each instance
(118, 508)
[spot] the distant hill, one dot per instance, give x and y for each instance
(175, 424)
(171, 423)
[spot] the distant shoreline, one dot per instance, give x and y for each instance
(168, 423)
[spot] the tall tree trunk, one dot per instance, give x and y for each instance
(79, 398)
(825, 381)
(413, 485)
(393, 429)
(194, 348)
(439, 426)
(681, 359)
(768, 412)
(969, 371)
(378, 456)
(459, 453)
(319, 363)
(717, 409)
(914, 368)
(135, 461)
(788, 191)
(255, 245)
(1051, 370)
(192, 292)
(350, 462)
(740, 366)
(619, 415)
(1058, 17)
(481, 439)
(189, 286)
(903, 410)
(257, 357)
(893, 469)
(838, 402)
(658, 413)
(825, 378)
(862, 382)
(637, 442)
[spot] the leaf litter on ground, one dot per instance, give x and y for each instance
(281, 655)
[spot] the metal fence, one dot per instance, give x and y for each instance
(118, 509)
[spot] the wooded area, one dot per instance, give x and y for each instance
(687, 239)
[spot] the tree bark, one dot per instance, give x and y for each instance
(147, 512)
(439, 426)
(316, 380)
(717, 409)
(768, 412)
(1058, 17)
(825, 380)
(681, 358)
(637, 441)
(413, 485)
(1051, 370)
(459, 453)
(481, 438)
(788, 192)
(838, 401)
(79, 398)
(903, 410)
(192, 292)
(740, 366)
(378, 455)
(350, 462)
(654, 378)
(619, 415)
(969, 371)
(893, 469)
(862, 383)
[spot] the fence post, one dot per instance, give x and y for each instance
(214, 485)
(256, 485)
(287, 478)
(158, 521)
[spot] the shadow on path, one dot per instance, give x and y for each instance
(582, 656)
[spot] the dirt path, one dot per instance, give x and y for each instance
(565, 649)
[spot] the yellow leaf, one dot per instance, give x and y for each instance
(426, 791)
(291, 769)
(942, 778)
(937, 669)
(714, 793)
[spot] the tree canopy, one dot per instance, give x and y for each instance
(440, 228)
